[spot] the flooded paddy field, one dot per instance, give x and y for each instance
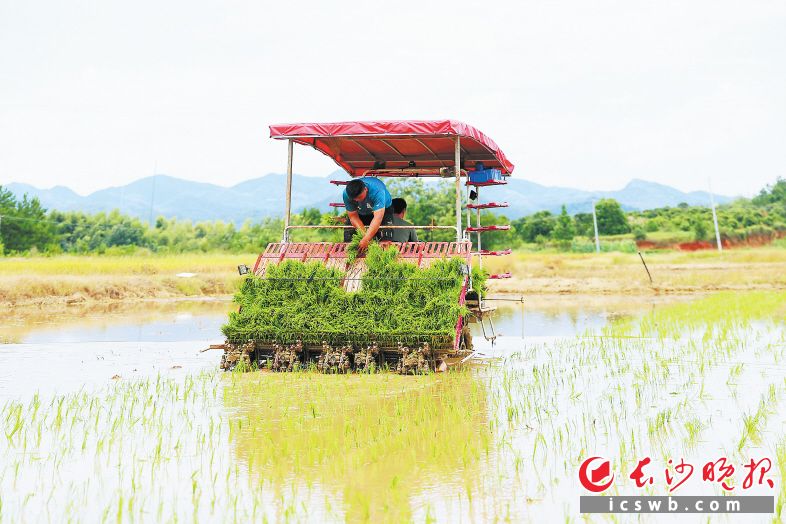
(116, 414)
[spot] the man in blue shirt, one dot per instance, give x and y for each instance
(368, 203)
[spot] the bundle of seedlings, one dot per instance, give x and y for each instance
(353, 248)
(306, 304)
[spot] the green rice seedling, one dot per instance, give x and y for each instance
(734, 373)
(693, 428)
(306, 301)
(752, 426)
(354, 246)
(780, 463)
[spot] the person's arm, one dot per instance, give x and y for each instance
(413, 236)
(354, 219)
(373, 227)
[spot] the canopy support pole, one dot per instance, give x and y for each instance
(288, 204)
(458, 188)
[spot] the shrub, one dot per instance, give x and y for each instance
(611, 218)
(563, 231)
(699, 230)
(606, 246)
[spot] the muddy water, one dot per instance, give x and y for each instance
(499, 442)
(153, 321)
(85, 347)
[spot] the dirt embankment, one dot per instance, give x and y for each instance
(622, 274)
(81, 289)
(70, 279)
(753, 240)
(94, 279)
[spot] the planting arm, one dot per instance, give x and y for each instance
(354, 219)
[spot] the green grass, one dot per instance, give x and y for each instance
(670, 236)
(49, 279)
(124, 265)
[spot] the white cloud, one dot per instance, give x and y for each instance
(579, 94)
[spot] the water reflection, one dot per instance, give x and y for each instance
(368, 443)
(90, 344)
(86, 347)
(154, 321)
(559, 316)
(521, 321)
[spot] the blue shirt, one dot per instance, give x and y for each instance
(377, 198)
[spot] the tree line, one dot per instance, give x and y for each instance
(27, 227)
(762, 216)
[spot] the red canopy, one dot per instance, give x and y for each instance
(360, 146)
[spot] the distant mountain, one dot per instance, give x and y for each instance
(528, 197)
(162, 195)
(171, 197)
(60, 194)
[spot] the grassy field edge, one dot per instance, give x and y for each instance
(77, 279)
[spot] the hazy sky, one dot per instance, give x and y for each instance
(581, 94)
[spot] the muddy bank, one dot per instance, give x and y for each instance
(593, 287)
(533, 274)
(626, 275)
(66, 290)
(753, 240)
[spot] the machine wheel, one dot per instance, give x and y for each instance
(466, 339)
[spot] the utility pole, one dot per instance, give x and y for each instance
(595, 223)
(714, 217)
(288, 201)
